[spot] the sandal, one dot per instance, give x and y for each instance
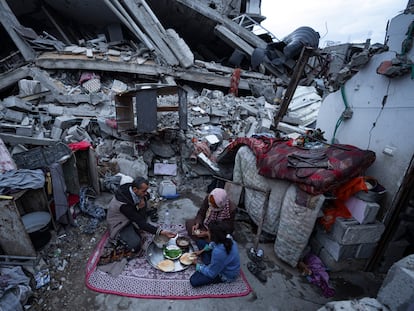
(257, 260)
(257, 272)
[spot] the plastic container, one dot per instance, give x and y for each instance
(35, 221)
(167, 188)
(167, 219)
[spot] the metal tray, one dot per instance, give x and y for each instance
(154, 256)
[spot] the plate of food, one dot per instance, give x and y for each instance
(187, 258)
(172, 252)
(166, 265)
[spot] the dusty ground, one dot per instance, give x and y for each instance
(66, 255)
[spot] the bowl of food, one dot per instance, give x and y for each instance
(172, 252)
(188, 258)
(160, 240)
(183, 243)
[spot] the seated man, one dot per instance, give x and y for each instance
(127, 215)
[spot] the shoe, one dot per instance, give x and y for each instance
(257, 272)
(256, 259)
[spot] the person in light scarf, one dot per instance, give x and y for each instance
(216, 207)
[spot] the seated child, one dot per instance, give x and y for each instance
(220, 257)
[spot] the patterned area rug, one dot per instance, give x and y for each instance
(140, 279)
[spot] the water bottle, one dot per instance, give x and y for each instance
(167, 220)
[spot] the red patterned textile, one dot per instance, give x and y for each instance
(315, 171)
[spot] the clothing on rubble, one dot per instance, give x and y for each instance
(318, 276)
(59, 193)
(338, 207)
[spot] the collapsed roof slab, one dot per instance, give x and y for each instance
(55, 61)
(12, 77)
(13, 140)
(190, 16)
(215, 16)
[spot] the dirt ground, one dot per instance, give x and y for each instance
(66, 256)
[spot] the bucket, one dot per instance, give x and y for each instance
(37, 226)
(167, 188)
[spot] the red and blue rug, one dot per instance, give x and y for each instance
(140, 279)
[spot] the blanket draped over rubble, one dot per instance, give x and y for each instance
(296, 179)
(315, 171)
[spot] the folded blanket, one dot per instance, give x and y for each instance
(315, 171)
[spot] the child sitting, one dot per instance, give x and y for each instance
(220, 257)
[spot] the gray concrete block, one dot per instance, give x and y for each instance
(13, 116)
(200, 120)
(65, 122)
(55, 110)
(25, 131)
(349, 231)
(17, 104)
(362, 211)
(56, 132)
(397, 290)
(336, 250)
(349, 264)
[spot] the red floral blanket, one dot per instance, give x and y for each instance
(316, 171)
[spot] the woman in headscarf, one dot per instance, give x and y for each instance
(216, 207)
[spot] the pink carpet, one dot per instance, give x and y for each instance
(140, 279)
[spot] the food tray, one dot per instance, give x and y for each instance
(155, 255)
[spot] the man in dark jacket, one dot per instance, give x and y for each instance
(127, 215)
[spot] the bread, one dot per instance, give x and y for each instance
(166, 265)
(187, 258)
